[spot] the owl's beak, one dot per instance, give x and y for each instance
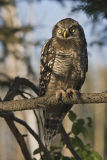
(65, 34)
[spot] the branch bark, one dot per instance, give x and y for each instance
(20, 139)
(51, 102)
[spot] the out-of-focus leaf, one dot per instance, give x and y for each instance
(93, 8)
(76, 142)
(73, 158)
(34, 159)
(54, 148)
(72, 116)
(66, 158)
(84, 131)
(87, 147)
(36, 151)
(78, 127)
(95, 156)
(81, 122)
(90, 122)
(82, 153)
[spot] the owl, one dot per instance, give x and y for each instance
(63, 68)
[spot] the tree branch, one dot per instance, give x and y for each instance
(32, 132)
(68, 143)
(51, 102)
(20, 139)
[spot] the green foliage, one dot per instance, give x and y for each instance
(93, 8)
(86, 153)
(89, 122)
(36, 151)
(72, 116)
(80, 127)
(34, 159)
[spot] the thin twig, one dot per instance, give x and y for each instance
(46, 153)
(27, 83)
(14, 90)
(10, 95)
(67, 142)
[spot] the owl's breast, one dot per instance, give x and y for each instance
(62, 64)
(67, 71)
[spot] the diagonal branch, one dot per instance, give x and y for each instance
(68, 143)
(10, 95)
(31, 131)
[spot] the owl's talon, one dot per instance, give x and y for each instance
(60, 94)
(70, 92)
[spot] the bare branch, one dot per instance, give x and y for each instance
(43, 148)
(51, 102)
(68, 143)
(20, 139)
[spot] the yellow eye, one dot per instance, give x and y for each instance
(59, 31)
(73, 30)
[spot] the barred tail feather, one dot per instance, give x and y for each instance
(51, 129)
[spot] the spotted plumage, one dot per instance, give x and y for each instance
(47, 61)
(64, 64)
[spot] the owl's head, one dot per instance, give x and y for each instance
(67, 29)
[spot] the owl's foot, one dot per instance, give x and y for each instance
(60, 95)
(70, 92)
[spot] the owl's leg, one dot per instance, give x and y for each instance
(60, 94)
(70, 92)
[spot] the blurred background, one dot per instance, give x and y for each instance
(24, 27)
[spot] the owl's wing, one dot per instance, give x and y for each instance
(47, 61)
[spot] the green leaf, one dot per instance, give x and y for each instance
(82, 153)
(72, 116)
(79, 142)
(90, 122)
(95, 156)
(73, 158)
(87, 147)
(36, 151)
(76, 142)
(53, 148)
(81, 122)
(66, 158)
(76, 129)
(84, 131)
(34, 159)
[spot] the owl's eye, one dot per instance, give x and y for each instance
(59, 31)
(72, 30)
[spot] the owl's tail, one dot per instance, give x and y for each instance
(51, 127)
(50, 123)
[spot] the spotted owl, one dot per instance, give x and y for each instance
(64, 64)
